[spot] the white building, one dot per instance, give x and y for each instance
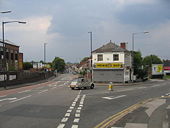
(112, 63)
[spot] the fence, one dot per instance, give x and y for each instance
(14, 78)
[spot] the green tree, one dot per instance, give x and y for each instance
(148, 61)
(27, 65)
(137, 62)
(152, 59)
(84, 59)
(59, 64)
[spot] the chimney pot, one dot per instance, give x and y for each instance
(123, 45)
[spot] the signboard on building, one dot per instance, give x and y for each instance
(108, 65)
(157, 69)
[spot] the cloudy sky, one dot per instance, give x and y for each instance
(64, 26)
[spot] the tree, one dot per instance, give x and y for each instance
(152, 59)
(59, 64)
(148, 61)
(27, 65)
(137, 62)
(84, 59)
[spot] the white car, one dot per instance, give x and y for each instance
(81, 83)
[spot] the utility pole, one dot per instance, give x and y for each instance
(91, 54)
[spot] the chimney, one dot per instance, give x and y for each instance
(123, 45)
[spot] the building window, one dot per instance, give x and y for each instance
(16, 56)
(12, 56)
(115, 57)
(100, 57)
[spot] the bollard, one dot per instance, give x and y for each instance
(110, 88)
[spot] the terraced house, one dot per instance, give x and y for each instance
(112, 63)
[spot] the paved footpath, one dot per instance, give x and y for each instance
(155, 113)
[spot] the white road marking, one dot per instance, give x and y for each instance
(61, 85)
(74, 126)
(76, 120)
(79, 108)
(80, 92)
(8, 99)
(112, 98)
(71, 107)
(3, 96)
(43, 91)
(78, 111)
(81, 105)
(74, 102)
(69, 110)
(67, 114)
(77, 115)
(20, 99)
(61, 126)
(24, 91)
(64, 120)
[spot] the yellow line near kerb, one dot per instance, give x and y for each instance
(112, 119)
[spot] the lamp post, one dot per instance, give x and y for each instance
(45, 52)
(133, 48)
(3, 41)
(91, 53)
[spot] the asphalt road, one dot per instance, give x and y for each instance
(54, 105)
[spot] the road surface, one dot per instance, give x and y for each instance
(54, 105)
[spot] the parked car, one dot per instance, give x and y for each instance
(81, 83)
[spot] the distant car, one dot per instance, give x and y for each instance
(81, 83)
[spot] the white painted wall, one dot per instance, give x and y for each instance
(108, 57)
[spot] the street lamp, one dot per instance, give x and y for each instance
(3, 41)
(91, 52)
(133, 48)
(45, 52)
(133, 38)
(5, 11)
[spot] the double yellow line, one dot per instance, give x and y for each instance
(111, 120)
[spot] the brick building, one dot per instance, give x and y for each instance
(13, 60)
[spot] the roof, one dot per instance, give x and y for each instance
(8, 42)
(110, 47)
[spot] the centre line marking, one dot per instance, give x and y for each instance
(81, 105)
(76, 120)
(71, 107)
(77, 115)
(64, 120)
(69, 111)
(61, 126)
(67, 114)
(74, 126)
(21, 98)
(79, 108)
(78, 111)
